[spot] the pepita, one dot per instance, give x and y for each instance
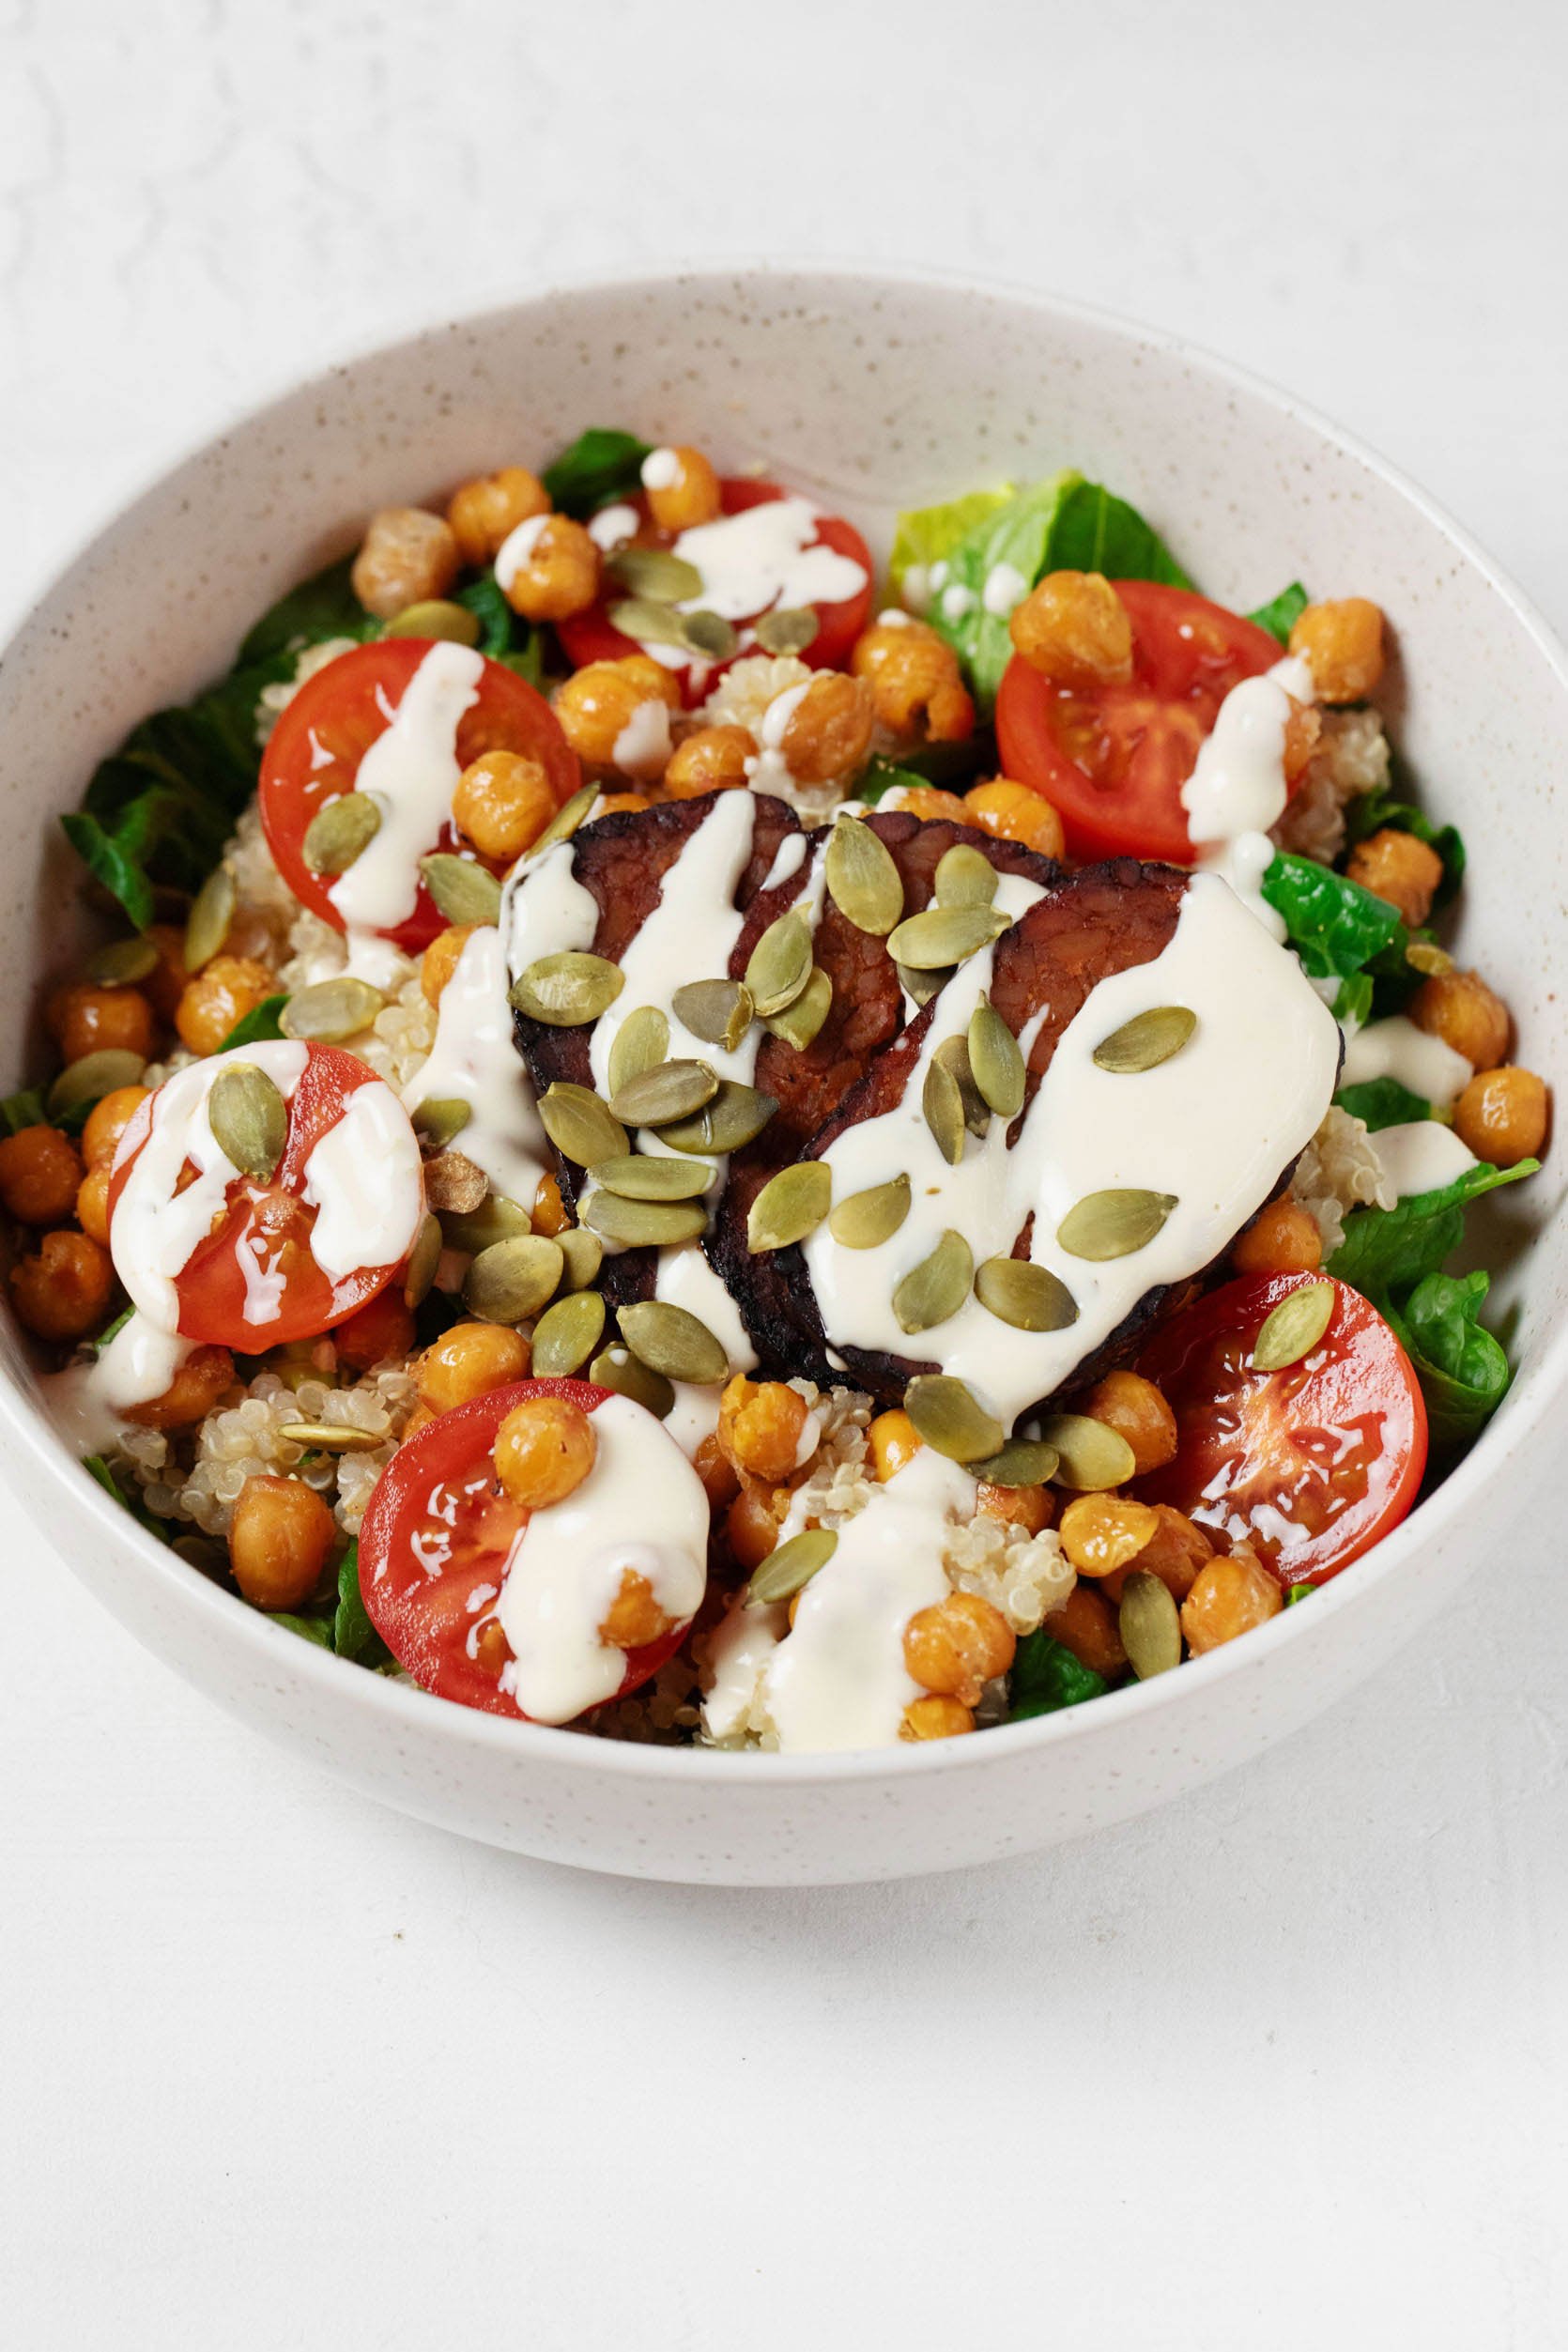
(340, 833)
(567, 989)
(672, 1091)
(642, 1225)
(1146, 1040)
(617, 1368)
(788, 629)
(735, 1117)
(567, 1335)
(1294, 1327)
(649, 620)
(950, 1417)
(440, 1120)
(673, 1341)
(920, 987)
(718, 1011)
(642, 1176)
(1091, 1456)
(640, 1043)
(953, 1054)
(331, 1436)
(565, 821)
(996, 1060)
(206, 926)
(942, 1101)
(1113, 1223)
(780, 963)
(933, 1291)
(496, 1220)
(710, 635)
(584, 1253)
(123, 961)
(512, 1280)
(463, 891)
(964, 877)
(583, 1128)
(1030, 1297)
(799, 1023)
(789, 1206)
(1023, 1462)
(866, 1220)
(790, 1567)
(655, 572)
(1149, 1625)
(944, 935)
(864, 881)
(332, 1010)
(454, 1183)
(249, 1118)
(92, 1076)
(1426, 956)
(453, 625)
(424, 1258)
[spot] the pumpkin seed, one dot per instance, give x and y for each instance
(567, 989)
(1091, 1455)
(1146, 1040)
(567, 1335)
(996, 1060)
(339, 833)
(789, 1206)
(779, 964)
(249, 1118)
(617, 1368)
(942, 1101)
(454, 1183)
(91, 1077)
(1149, 1626)
(440, 1120)
(331, 1437)
(642, 1225)
(583, 1128)
(944, 935)
(790, 1567)
(424, 1258)
(933, 1291)
(671, 1340)
(788, 629)
(799, 1023)
(868, 1219)
(710, 635)
(123, 961)
(653, 572)
(717, 1011)
(332, 1010)
(650, 622)
(1029, 1297)
(672, 1091)
(862, 877)
(1294, 1327)
(951, 1419)
(964, 877)
(642, 1177)
(1426, 956)
(206, 926)
(584, 1253)
(920, 987)
(640, 1043)
(455, 624)
(565, 821)
(735, 1117)
(464, 892)
(953, 1054)
(496, 1220)
(512, 1280)
(1023, 1462)
(1113, 1223)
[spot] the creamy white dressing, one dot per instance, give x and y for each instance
(475, 1060)
(1005, 590)
(1397, 1049)
(411, 772)
(685, 1279)
(739, 1650)
(787, 861)
(1237, 790)
(364, 1182)
(957, 601)
(764, 557)
(612, 526)
(87, 1401)
(545, 910)
(1420, 1156)
(768, 770)
(661, 469)
(642, 747)
(517, 547)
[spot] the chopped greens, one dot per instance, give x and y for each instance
(260, 1024)
(1280, 616)
(1462, 1368)
(504, 637)
(1046, 1676)
(97, 1467)
(24, 1108)
(1334, 926)
(601, 466)
(927, 534)
(885, 775)
(353, 1635)
(1376, 811)
(1381, 1102)
(321, 608)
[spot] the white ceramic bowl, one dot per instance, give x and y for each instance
(872, 391)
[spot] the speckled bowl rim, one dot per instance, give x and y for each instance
(1534, 1391)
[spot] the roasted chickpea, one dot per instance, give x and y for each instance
(1175, 1553)
(502, 802)
(222, 993)
(682, 489)
(1396, 867)
(828, 733)
(484, 512)
(40, 1173)
(558, 574)
(760, 1427)
(107, 1122)
(1302, 728)
(634, 1618)
(441, 958)
(959, 1645)
(720, 1481)
(1230, 1595)
(549, 1210)
(408, 557)
(279, 1539)
(470, 1360)
(1086, 1625)
(62, 1292)
(92, 1204)
(1502, 1115)
(893, 1441)
(934, 1718)
(620, 804)
(1031, 1508)
(1134, 1408)
(598, 703)
(545, 1448)
(381, 1328)
(90, 1020)
(1342, 644)
(1102, 1532)
(712, 760)
(1282, 1238)
(916, 687)
(1459, 1007)
(1014, 813)
(1074, 630)
(751, 1524)
(934, 806)
(191, 1395)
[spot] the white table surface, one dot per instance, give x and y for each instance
(1282, 2067)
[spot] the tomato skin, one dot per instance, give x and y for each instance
(341, 711)
(592, 637)
(1339, 1437)
(212, 1287)
(1113, 759)
(424, 1615)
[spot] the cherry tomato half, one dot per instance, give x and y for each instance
(1113, 759)
(315, 750)
(592, 637)
(1311, 1464)
(252, 1281)
(435, 1544)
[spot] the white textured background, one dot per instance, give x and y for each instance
(1283, 2067)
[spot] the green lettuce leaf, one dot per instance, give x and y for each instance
(1374, 811)
(883, 775)
(1381, 1102)
(1046, 1676)
(504, 636)
(97, 1467)
(926, 534)
(1334, 926)
(1280, 616)
(1387, 1251)
(601, 466)
(316, 1629)
(323, 606)
(23, 1110)
(260, 1024)
(353, 1634)
(1463, 1371)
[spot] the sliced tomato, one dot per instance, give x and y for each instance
(1113, 760)
(252, 1283)
(592, 636)
(435, 1544)
(313, 755)
(1311, 1464)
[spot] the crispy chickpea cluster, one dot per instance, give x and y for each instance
(1074, 630)
(917, 688)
